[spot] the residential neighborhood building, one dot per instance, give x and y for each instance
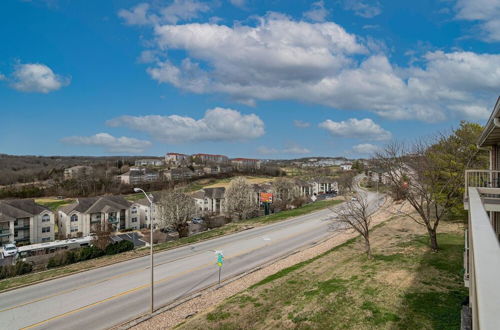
(137, 175)
(378, 175)
(242, 163)
(23, 221)
(317, 186)
(149, 162)
(177, 174)
(482, 248)
(210, 200)
(346, 167)
(89, 214)
(173, 158)
(77, 171)
(209, 158)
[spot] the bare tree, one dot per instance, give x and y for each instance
(356, 214)
(284, 191)
(346, 181)
(175, 208)
(102, 234)
(239, 198)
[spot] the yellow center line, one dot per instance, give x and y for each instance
(168, 278)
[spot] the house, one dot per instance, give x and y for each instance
(245, 163)
(149, 162)
(177, 174)
(210, 200)
(482, 248)
(346, 166)
(209, 158)
(173, 158)
(379, 175)
(23, 221)
(86, 215)
(76, 172)
(138, 175)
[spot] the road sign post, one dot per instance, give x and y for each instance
(220, 261)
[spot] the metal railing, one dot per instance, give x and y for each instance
(483, 266)
(482, 179)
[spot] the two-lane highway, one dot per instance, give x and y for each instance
(103, 297)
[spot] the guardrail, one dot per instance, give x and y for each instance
(482, 179)
(483, 265)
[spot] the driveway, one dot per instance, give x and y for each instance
(133, 237)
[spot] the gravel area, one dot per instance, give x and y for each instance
(209, 298)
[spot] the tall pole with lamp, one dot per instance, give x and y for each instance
(150, 200)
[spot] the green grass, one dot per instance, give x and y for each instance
(56, 204)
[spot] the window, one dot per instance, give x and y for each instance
(134, 210)
(45, 229)
(74, 218)
(15, 223)
(74, 230)
(134, 219)
(45, 218)
(46, 239)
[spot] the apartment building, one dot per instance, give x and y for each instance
(23, 221)
(316, 186)
(138, 175)
(346, 167)
(209, 158)
(177, 174)
(77, 171)
(210, 200)
(482, 248)
(173, 158)
(245, 163)
(149, 162)
(88, 214)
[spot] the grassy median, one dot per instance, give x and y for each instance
(404, 286)
(230, 228)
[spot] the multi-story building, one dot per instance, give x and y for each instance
(346, 166)
(87, 215)
(77, 171)
(23, 221)
(138, 175)
(209, 158)
(173, 158)
(482, 249)
(149, 162)
(210, 200)
(178, 174)
(243, 163)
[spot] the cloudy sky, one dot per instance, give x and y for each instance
(249, 78)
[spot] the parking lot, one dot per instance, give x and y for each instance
(132, 237)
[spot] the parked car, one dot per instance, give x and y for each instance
(197, 220)
(354, 199)
(9, 250)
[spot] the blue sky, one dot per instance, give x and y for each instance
(247, 78)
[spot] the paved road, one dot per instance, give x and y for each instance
(101, 298)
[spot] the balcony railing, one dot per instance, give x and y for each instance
(483, 265)
(5, 232)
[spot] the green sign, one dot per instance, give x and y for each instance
(220, 258)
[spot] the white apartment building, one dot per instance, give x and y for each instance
(77, 171)
(346, 166)
(210, 200)
(209, 158)
(149, 162)
(173, 158)
(23, 221)
(87, 214)
(242, 163)
(138, 175)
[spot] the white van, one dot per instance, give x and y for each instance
(9, 250)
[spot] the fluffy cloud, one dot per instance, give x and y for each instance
(218, 124)
(290, 149)
(363, 8)
(318, 12)
(486, 12)
(366, 149)
(321, 63)
(238, 3)
(2, 77)
(35, 77)
(110, 143)
(365, 129)
(178, 10)
(301, 124)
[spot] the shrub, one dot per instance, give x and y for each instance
(119, 247)
(19, 268)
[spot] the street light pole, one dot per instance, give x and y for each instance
(150, 244)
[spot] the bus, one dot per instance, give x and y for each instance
(53, 247)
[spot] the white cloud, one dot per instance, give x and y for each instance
(366, 149)
(354, 128)
(218, 124)
(363, 8)
(290, 149)
(485, 12)
(176, 11)
(238, 3)
(320, 63)
(318, 12)
(110, 143)
(2, 77)
(35, 77)
(301, 124)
